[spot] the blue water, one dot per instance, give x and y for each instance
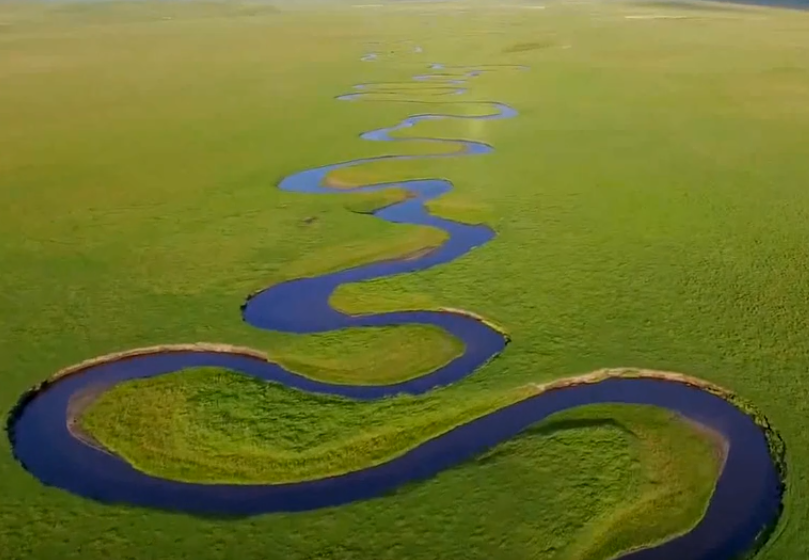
(746, 498)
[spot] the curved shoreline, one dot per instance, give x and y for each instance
(72, 465)
(48, 446)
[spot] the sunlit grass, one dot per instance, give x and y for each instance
(650, 209)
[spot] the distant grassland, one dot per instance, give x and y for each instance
(651, 211)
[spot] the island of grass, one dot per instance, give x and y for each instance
(216, 426)
(365, 356)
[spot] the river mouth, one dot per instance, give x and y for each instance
(745, 504)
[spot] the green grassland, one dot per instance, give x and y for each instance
(651, 211)
(595, 476)
(209, 425)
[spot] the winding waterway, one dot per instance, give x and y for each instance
(747, 494)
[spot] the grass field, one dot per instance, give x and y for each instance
(650, 207)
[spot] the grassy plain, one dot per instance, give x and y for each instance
(650, 212)
(627, 464)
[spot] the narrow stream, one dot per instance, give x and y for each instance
(746, 499)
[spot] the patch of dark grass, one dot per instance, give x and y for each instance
(528, 46)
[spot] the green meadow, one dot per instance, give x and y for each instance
(651, 211)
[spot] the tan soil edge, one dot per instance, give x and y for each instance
(627, 372)
(775, 441)
(532, 388)
(159, 349)
(79, 402)
(596, 376)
